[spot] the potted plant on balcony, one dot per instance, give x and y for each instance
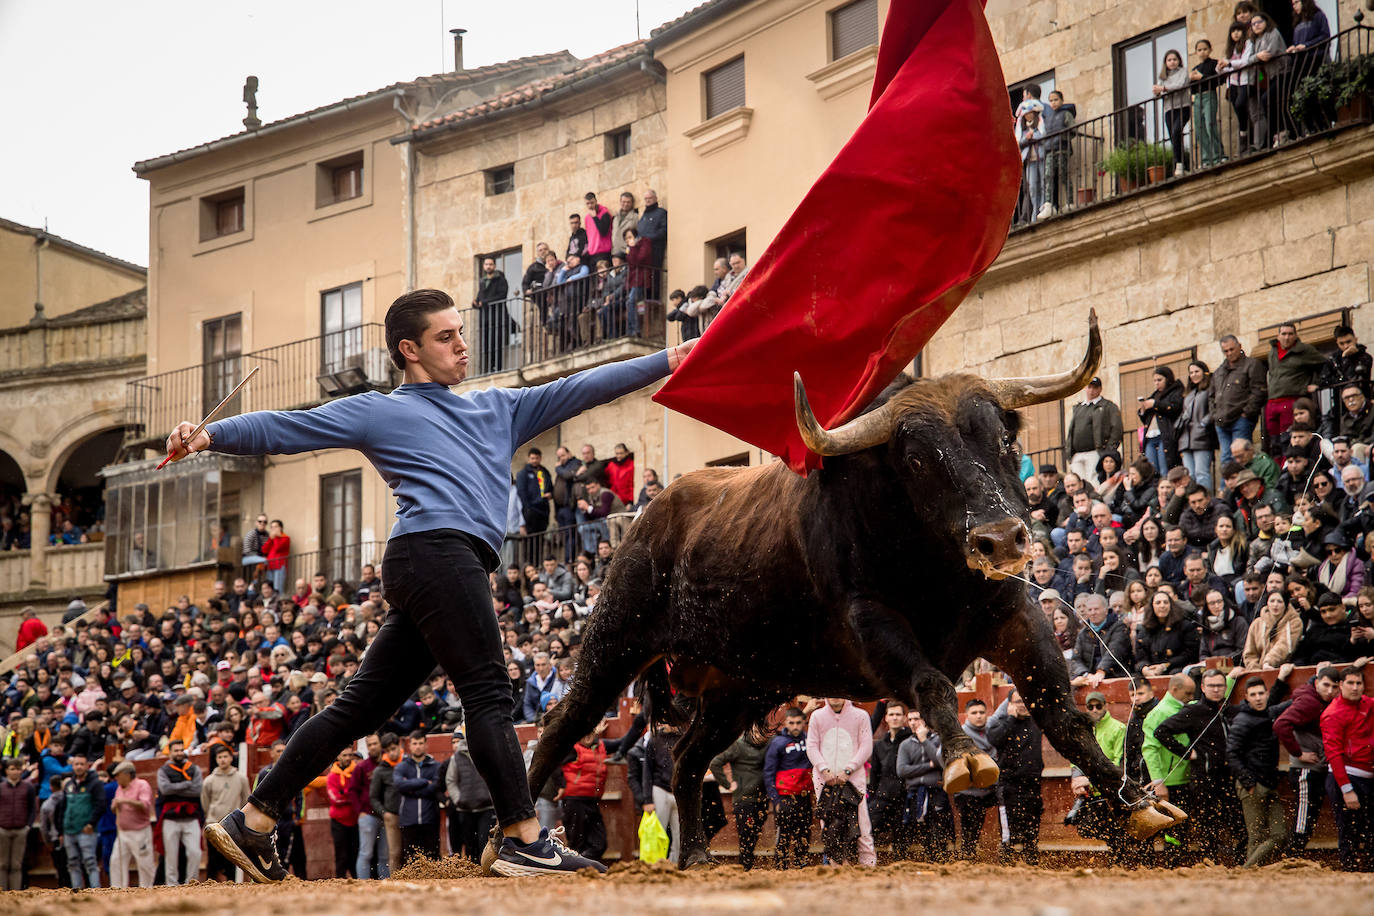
(1136, 162)
(1343, 86)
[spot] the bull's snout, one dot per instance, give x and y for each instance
(999, 548)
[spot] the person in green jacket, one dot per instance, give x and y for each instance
(1167, 771)
(1293, 370)
(1109, 730)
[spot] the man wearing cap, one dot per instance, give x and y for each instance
(1244, 454)
(1094, 428)
(1251, 493)
(1110, 733)
(133, 811)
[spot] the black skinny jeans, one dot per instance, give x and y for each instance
(436, 583)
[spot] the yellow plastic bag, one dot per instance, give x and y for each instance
(653, 839)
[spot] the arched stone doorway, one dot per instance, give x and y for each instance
(12, 488)
(77, 485)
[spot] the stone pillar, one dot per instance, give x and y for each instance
(40, 524)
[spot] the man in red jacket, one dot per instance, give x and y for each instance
(31, 629)
(1348, 736)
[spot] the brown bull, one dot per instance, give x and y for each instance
(883, 574)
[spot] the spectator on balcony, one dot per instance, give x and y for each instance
(577, 239)
(1196, 436)
(627, 217)
(1293, 365)
(676, 300)
(726, 285)
(1203, 76)
(140, 555)
(569, 298)
(653, 225)
(1172, 91)
(1355, 418)
(1159, 415)
(599, 503)
(1094, 430)
(537, 272)
(255, 543)
(1237, 394)
(1030, 131)
(639, 254)
(1310, 32)
(598, 223)
(497, 326)
(698, 306)
(534, 483)
(610, 298)
(277, 549)
(564, 502)
(621, 473)
(1059, 117)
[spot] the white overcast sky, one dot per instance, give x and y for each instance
(91, 87)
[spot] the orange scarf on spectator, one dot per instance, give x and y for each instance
(41, 739)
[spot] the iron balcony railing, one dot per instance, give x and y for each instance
(1234, 116)
(344, 563)
(560, 319)
(303, 373)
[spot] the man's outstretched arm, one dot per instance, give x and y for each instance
(339, 424)
(545, 406)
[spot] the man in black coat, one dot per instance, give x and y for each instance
(1198, 733)
(886, 790)
(497, 326)
(1143, 701)
(1092, 662)
(653, 225)
(1199, 521)
(1252, 750)
(1020, 756)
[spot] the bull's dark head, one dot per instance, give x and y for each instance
(952, 441)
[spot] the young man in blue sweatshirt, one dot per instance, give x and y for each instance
(787, 779)
(447, 459)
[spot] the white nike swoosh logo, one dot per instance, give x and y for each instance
(266, 865)
(555, 859)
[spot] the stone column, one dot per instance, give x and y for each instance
(40, 524)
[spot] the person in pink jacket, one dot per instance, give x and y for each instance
(839, 743)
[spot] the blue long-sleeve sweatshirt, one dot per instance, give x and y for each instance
(446, 456)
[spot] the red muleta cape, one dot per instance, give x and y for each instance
(884, 246)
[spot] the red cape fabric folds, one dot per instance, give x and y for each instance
(884, 246)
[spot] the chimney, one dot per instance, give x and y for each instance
(457, 49)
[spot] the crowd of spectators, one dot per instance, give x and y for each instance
(75, 520)
(1265, 57)
(597, 290)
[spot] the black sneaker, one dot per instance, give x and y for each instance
(255, 853)
(545, 856)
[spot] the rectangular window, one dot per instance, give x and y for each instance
(221, 214)
(341, 498)
(339, 179)
(161, 523)
(341, 328)
(726, 245)
(853, 27)
(500, 180)
(1044, 82)
(1042, 433)
(1137, 381)
(1136, 64)
(618, 143)
(724, 87)
(221, 349)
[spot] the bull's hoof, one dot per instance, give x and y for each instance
(974, 770)
(1154, 817)
(694, 857)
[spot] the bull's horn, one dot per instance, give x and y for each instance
(858, 434)
(1014, 393)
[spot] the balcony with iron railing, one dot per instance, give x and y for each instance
(1202, 128)
(560, 328)
(303, 373)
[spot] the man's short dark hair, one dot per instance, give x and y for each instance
(974, 702)
(1329, 674)
(388, 739)
(590, 195)
(1231, 467)
(1343, 330)
(418, 733)
(1255, 680)
(1253, 578)
(407, 319)
(535, 451)
(1034, 90)
(794, 712)
(676, 294)
(1352, 671)
(1197, 488)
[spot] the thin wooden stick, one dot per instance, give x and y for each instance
(210, 417)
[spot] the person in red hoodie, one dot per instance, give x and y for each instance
(277, 549)
(1298, 729)
(1348, 736)
(31, 629)
(584, 773)
(639, 279)
(343, 812)
(620, 471)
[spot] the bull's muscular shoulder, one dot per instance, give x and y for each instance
(732, 509)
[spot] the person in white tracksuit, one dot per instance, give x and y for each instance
(839, 743)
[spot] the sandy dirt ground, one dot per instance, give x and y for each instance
(977, 889)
